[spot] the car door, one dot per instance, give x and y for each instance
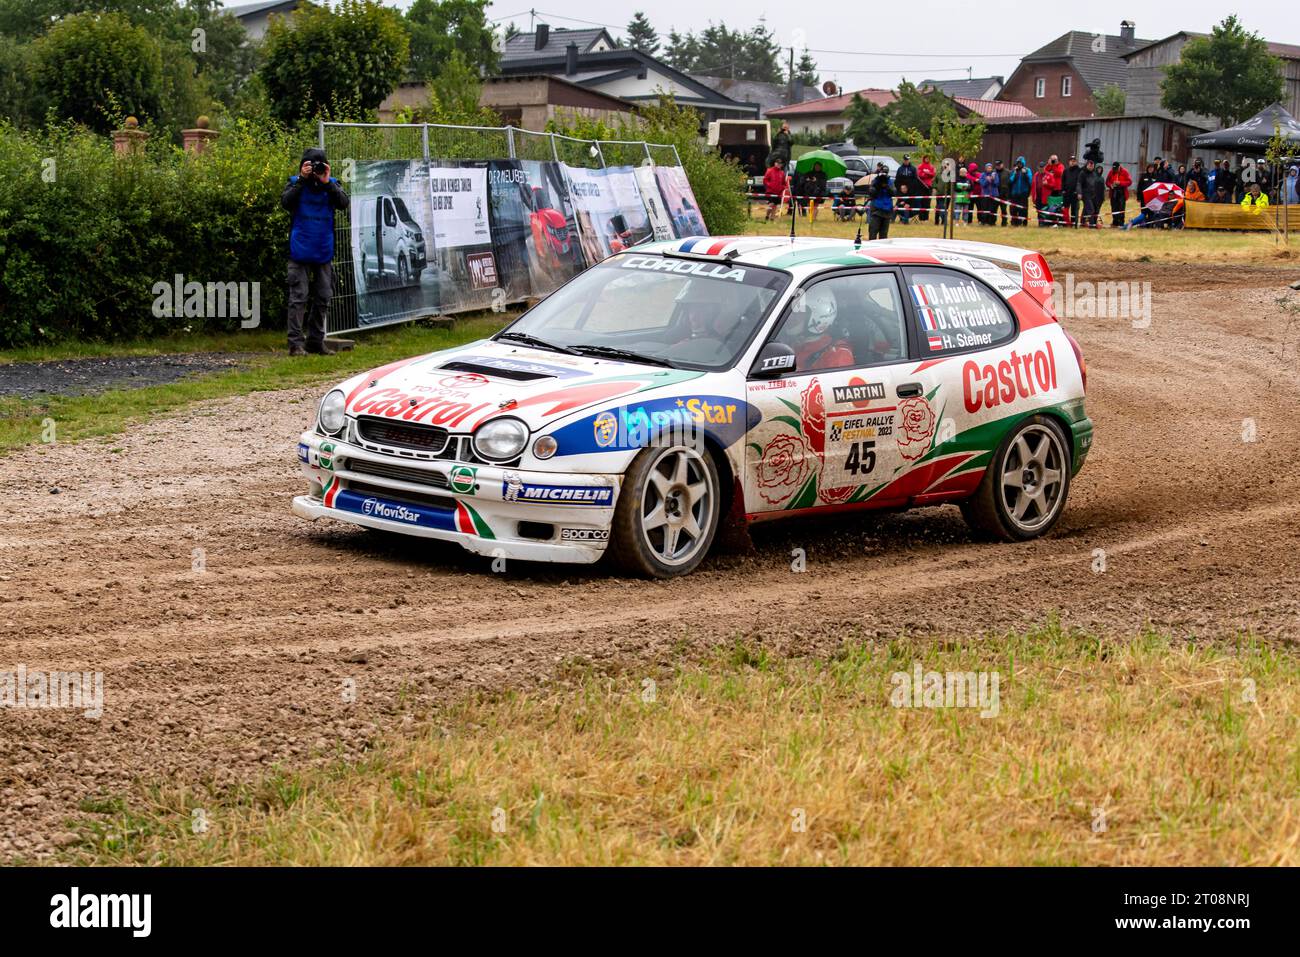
(828, 434)
(967, 373)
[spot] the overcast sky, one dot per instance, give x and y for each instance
(876, 45)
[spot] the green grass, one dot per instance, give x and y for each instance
(1137, 752)
(24, 421)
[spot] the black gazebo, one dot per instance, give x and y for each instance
(1252, 136)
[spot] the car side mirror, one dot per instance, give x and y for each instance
(775, 359)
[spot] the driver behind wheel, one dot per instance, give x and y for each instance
(810, 332)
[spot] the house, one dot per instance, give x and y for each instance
(828, 115)
(768, 96)
(256, 17)
(979, 88)
(525, 100)
(1133, 141)
(1064, 77)
(1146, 70)
(589, 59)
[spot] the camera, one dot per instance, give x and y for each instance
(318, 168)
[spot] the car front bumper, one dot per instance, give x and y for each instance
(493, 511)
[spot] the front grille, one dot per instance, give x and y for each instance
(407, 435)
(401, 495)
(402, 473)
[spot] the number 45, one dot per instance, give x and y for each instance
(862, 458)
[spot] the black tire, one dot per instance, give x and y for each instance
(992, 510)
(645, 542)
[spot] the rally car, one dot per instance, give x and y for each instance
(685, 384)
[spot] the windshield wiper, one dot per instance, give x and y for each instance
(528, 340)
(610, 352)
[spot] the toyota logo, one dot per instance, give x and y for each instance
(1033, 270)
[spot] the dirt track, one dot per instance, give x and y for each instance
(224, 673)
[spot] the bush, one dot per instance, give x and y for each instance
(85, 234)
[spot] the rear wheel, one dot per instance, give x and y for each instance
(667, 512)
(1024, 490)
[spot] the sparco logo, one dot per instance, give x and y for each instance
(584, 534)
(394, 513)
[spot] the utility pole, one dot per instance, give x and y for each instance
(790, 89)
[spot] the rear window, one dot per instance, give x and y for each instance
(956, 312)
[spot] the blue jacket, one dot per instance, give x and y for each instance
(311, 205)
(1021, 181)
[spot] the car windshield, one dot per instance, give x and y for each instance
(693, 313)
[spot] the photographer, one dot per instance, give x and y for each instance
(311, 198)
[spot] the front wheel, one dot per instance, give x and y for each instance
(667, 512)
(1024, 489)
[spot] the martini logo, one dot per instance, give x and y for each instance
(462, 479)
(858, 392)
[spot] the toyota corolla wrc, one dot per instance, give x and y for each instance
(686, 384)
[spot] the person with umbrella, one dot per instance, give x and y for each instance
(814, 168)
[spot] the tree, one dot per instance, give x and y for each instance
(1229, 75)
(806, 71)
(341, 62)
(91, 66)
(641, 35)
(1111, 100)
(913, 109)
(950, 139)
(720, 51)
(439, 27)
(868, 125)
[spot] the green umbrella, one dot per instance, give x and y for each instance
(832, 165)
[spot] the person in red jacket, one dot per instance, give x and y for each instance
(1118, 182)
(1038, 192)
(1053, 175)
(774, 184)
(925, 175)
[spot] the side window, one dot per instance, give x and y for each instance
(844, 322)
(956, 313)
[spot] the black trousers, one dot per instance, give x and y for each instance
(311, 286)
(1117, 200)
(878, 225)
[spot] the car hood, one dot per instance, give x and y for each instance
(460, 388)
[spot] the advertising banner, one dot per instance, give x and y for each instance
(466, 262)
(680, 201)
(660, 222)
(391, 230)
(608, 207)
(534, 234)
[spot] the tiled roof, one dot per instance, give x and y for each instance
(996, 109)
(976, 87)
(522, 46)
(834, 104)
(1098, 67)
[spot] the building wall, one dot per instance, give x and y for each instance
(1034, 145)
(1020, 88)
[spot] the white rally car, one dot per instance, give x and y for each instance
(689, 383)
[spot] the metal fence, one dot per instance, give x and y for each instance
(348, 144)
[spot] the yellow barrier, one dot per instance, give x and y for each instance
(1232, 216)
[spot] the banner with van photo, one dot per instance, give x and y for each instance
(391, 230)
(607, 203)
(464, 260)
(679, 200)
(534, 233)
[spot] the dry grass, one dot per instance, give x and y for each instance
(1115, 245)
(1189, 766)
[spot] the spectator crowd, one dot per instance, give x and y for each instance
(1083, 192)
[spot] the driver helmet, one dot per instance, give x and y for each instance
(820, 305)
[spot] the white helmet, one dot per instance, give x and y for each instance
(820, 303)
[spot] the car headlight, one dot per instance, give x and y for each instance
(500, 439)
(331, 413)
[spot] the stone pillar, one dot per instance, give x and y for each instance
(200, 138)
(129, 139)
